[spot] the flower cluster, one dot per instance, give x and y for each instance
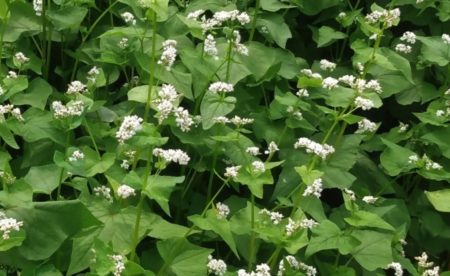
(261, 270)
(171, 155)
(291, 227)
(73, 108)
(313, 147)
(258, 167)
(369, 199)
(220, 86)
(183, 119)
(302, 93)
(388, 17)
(308, 223)
(446, 39)
(272, 148)
(330, 83)
(210, 47)
(76, 156)
(422, 260)
(366, 126)
(123, 43)
(218, 18)
(37, 7)
(13, 111)
(236, 120)
(232, 172)
(296, 265)
(364, 104)
(165, 102)
(169, 54)
(125, 191)
(216, 266)
(21, 58)
(8, 224)
(128, 128)
(425, 162)
(314, 189)
(397, 267)
(93, 73)
(119, 264)
(254, 151)
(409, 38)
(327, 65)
(275, 217)
(310, 74)
(104, 192)
(76, 87)
(222, 210)
(240, 48)
(128, 17)
(360, 85)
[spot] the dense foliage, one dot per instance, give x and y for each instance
(224, 137)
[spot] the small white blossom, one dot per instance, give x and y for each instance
(73, 108)
(195, 14)
(125, 191)
(16, 113)
(374, 17)
(302, 93)
(330, 83)
(183, 119)
(104, 192)
(369, 199)
(272, 148)
(402, 127)
(221, 120)
(216, 266)
(275, 217)
(403, 48)
(419, 1)
(446, 39)
(12, 75)
(243, 18)
(232, 171)
(119, 264)
(238, 121)
(93, 73)
(351, 194)
(423, 260)
(262, 270)
(210, 47)
(258, 167)
(313, 147)
(252, 151)
(374, 85)
(7, 225)
(397, 267)
(2, 91)
(309, 73)
(431, 272)
(409, 37)
(314, 189)
(128, 128)
(364, 104)
(171, 155)
(169, 54)
(309, 270)
(21, 58)
(123, 43)
(327, 65)
(220, 86)
(308, 223)
(76, 156)
(125, 165)
(413, 159)
(291, 227)
(430, 164)
(365, 126)
(291, 261)
(37, 7)
(76, 87)
(440, 113)
(128, 17)
(222, 210)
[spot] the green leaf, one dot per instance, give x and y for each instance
(325, 35)
(164, 230)
(213, 105)
(394, 158)
(160, 187)
(439, 199)
(308, 176)
(434, 50)
(277, 29)
(82, 255)
(15, 239)
(315, 7)
(366, 219)
(44, 179)
(183, 258)
(67, 17)
(255, 182)
(161, 8)
(219, 226)
(37, 94)
(273, 5)
(22, 20)
(374, 251)
(439, 136)
(7, 136)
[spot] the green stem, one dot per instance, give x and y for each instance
(252, 253)
(84, 38)
(255, 16)
(2, 32)
(152, 69)
(229, 52)
(48, 50)
(88, 128)
(61, 174)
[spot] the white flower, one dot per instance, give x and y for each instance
(440, 113)
(409, 37)
(308, 223)
(21, 58)
(128, 128)
(374, 17)
(125, 191)
(104, 192)
(15, 112)
(309, 270)
(210, 46)
(73, 108)
(431, 272)
(413, 158)
(366, 126)
(195, 14)
(37, 7)
(238, 121)
(302, 93)
(430, 164)
(327, 65)
(312, 147)
(292, 262)
(369, 199)
(7, 225)
(2, 91)
(220, 86)
(171, 155)
(221, 120)
(392, 16)
(330, 83)
(252, 151)
(402, 127)
(272, 148)
(169, 54)
(350, 193)
(243, 18)
(123, 43)
(240, 48)
(216, 266)
(262, 270)
(309, 73)
(423, 260)
(402, 48)
(446, 39)
(397, 267)
(222, 210)
(128, 17)
(258, 167)
(364, 104)
(291, 227)
(76, 87)
(76, 156)
(183, 119)
(125, 165)
(119, 264)
(93, 73)
(374, 85)
(12, 75)
(419, 1)
(232, 171)
(275, 217)
(314, 189)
